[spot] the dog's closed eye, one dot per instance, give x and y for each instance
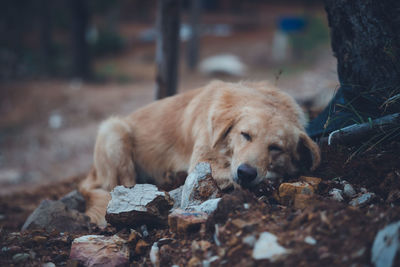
(246, 136)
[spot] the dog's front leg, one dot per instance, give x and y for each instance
(220, 165)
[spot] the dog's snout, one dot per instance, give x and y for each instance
(246, 173)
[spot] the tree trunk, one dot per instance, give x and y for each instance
(167, 50)
(193, 43)
(365, 36)
(81, 53)
(46, 35)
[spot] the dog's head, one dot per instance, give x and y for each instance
(262, 143)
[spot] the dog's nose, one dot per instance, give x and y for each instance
(246, 173)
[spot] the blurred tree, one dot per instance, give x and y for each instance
(194, 42)
(365, 38)
(167, 50)
(46, 35)
(80, 23)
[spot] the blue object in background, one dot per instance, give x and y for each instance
(290, 24)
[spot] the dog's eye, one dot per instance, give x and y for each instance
(275, 148)
(246, 136)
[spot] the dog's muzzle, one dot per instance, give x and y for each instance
(246, 174)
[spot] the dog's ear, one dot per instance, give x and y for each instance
(308, 151)
(221, 124)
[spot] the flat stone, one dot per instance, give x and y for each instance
(182, 221)
(267, 247)
(386, 245)
(199, 186)
(99, 250)
(348, 190)
(142, 204)
(74, 200)
(313, 181)
(362, 200)
(55, 215)
(208, 206)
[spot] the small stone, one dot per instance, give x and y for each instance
(134, 236)
(154, 255)
(362, 200)
(182, 222)
(250, 240)
(74, 200)
(55, 215)
(98, 250)
(267, 247)
(141, 247)
(176, 195)
(142, 204)
(213, 261)
(336, 194)
(386, 245)
(39, 239)
(208, 206)
(348, 190)
(313, 181)
(48, 264)
(194, 262)
(310, 240)
(289, 191)
(21, 257)
(199, 186)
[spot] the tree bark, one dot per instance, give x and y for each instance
(167, 50)
(81, 53)
(365, 36)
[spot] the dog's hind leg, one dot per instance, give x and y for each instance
(113, 165)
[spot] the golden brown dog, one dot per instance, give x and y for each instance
(246, 131)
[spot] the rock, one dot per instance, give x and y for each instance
(21, 257)
(213, 261)
(249, 240)
(336, 194)
(55, 215)
(199, 186)
(386, 245)
(48, 264)
(142, 204)
(154, 255)
(208, 206)
(194, 262)
(362, 200)
(176, 195)
(348, 190)
(227, 64)
(268, 248)
(74, 200)
(99, 250)
(182, 222)
(313, 181)
(298, 194)
(310, 240)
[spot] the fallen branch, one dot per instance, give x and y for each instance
(358, 133)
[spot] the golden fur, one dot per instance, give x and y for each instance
(225, 124)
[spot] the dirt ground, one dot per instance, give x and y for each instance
(48, 131)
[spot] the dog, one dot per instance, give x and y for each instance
(247, 131)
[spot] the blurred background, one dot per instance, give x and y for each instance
(66, 65)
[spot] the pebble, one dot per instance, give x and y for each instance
(250, 240)
(348, 190)
(48, 264)
(20, 257)
(386, 245)
(362, 200)
(267, 247)
(310, 240)
(336, 194)
(154, 255)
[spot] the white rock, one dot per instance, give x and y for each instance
(176, 195)
(225, 63)
(250, 240)
(362, 200)
(386, 245)
(348, 190)
(310, 240)
(336, 194)
(267, 247)
(98, 250)
(154, 255)
(208, 206)
(48, 264)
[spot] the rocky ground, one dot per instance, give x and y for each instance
(331, 219)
